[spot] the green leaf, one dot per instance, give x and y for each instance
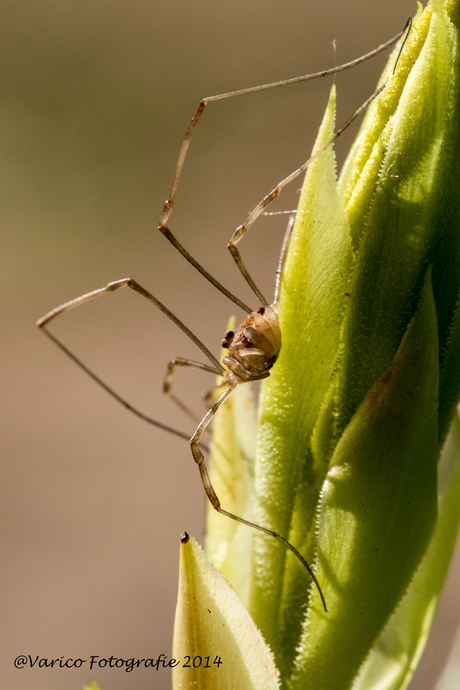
(212, 623)
(313, 299)
(395, 655)
(377, 510)
(350, 429)
(404, 214)
(362, 169)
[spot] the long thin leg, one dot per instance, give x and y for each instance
(254, 89)
(112, 287)
(114, 394)
(242, 229)
(262, 205)
(209, 398)
(212, 496)
(173, 365)
(282, 259)
(129, 282)
(167, 233)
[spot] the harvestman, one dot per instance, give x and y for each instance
(254, 347)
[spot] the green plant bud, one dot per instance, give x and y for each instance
(369, 317)
(215, 633)
(358, 445)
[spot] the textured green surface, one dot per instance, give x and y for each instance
(211, 622)
(355, 413)
(377, 509)
(344, 315)
(396, 653)
(312, 307)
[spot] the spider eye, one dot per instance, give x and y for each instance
(228, 339)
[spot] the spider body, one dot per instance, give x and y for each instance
(254, 347)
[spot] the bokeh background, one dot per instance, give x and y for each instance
(95, 99)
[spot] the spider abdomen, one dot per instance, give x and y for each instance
(254, 347)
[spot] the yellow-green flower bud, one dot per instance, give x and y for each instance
(358, 451)
(354, 415)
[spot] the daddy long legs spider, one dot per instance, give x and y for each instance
(255, 345)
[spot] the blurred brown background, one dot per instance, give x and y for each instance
(95, 99)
